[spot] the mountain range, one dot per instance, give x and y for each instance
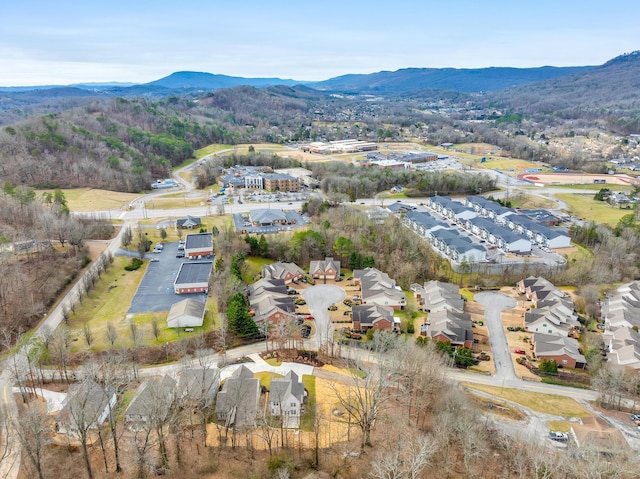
(385, 82)
(612, 88)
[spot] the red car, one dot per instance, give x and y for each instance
(308, 316)
(519, 351)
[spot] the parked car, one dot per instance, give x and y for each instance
(308, 316)
(519, 351)
(154, 260)
(635, 417)
(558, 436)
(180, 254)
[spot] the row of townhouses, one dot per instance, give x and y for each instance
(446, 319)
(621, 316)
(270, 302)
(498, 226)
(552, 320)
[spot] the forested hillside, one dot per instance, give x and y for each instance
(114, 144)
(122, 144)
(609, 92)
(41, 251)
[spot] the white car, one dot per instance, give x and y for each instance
(558, 436)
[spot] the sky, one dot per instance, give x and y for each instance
(44, 42)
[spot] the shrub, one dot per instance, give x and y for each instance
(411, 329)
(134, 265)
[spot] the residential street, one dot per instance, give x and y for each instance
(494, 304)
(319, 298)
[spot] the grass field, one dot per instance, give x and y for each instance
(208, 150)
(585, 207)
(531, 202)
(544, 403)
(508, 164)
(562, 426)
(88, 199)
(173, 203)
(594, 188)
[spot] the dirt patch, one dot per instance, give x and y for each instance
(572, 179)
(95, 248)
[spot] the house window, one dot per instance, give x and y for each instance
(293, 404)
(564, 361)
(275, 404)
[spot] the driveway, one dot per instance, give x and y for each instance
(319, 298)
(155, 292)
(494, 304)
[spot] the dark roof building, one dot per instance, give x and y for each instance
(198, 245)
(188, 223)
(193, 277)
(374, 316)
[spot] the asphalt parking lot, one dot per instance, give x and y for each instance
(155, 292)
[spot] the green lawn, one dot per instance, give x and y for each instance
(585, 207)
(254, 265)
(467, 294)
(307, 419)
(593, 187)
(266, 377)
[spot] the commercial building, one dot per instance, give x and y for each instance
(199, 245)
(193, 277)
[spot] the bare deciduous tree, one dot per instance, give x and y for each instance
(370, 390)
(30, 429)
(88, 334)
(111, 333)
(83, 410)
(155, 328)
(59, 351)
(405, 458)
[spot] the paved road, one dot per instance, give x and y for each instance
(319, 298)
(10, 448)
(494, 304)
